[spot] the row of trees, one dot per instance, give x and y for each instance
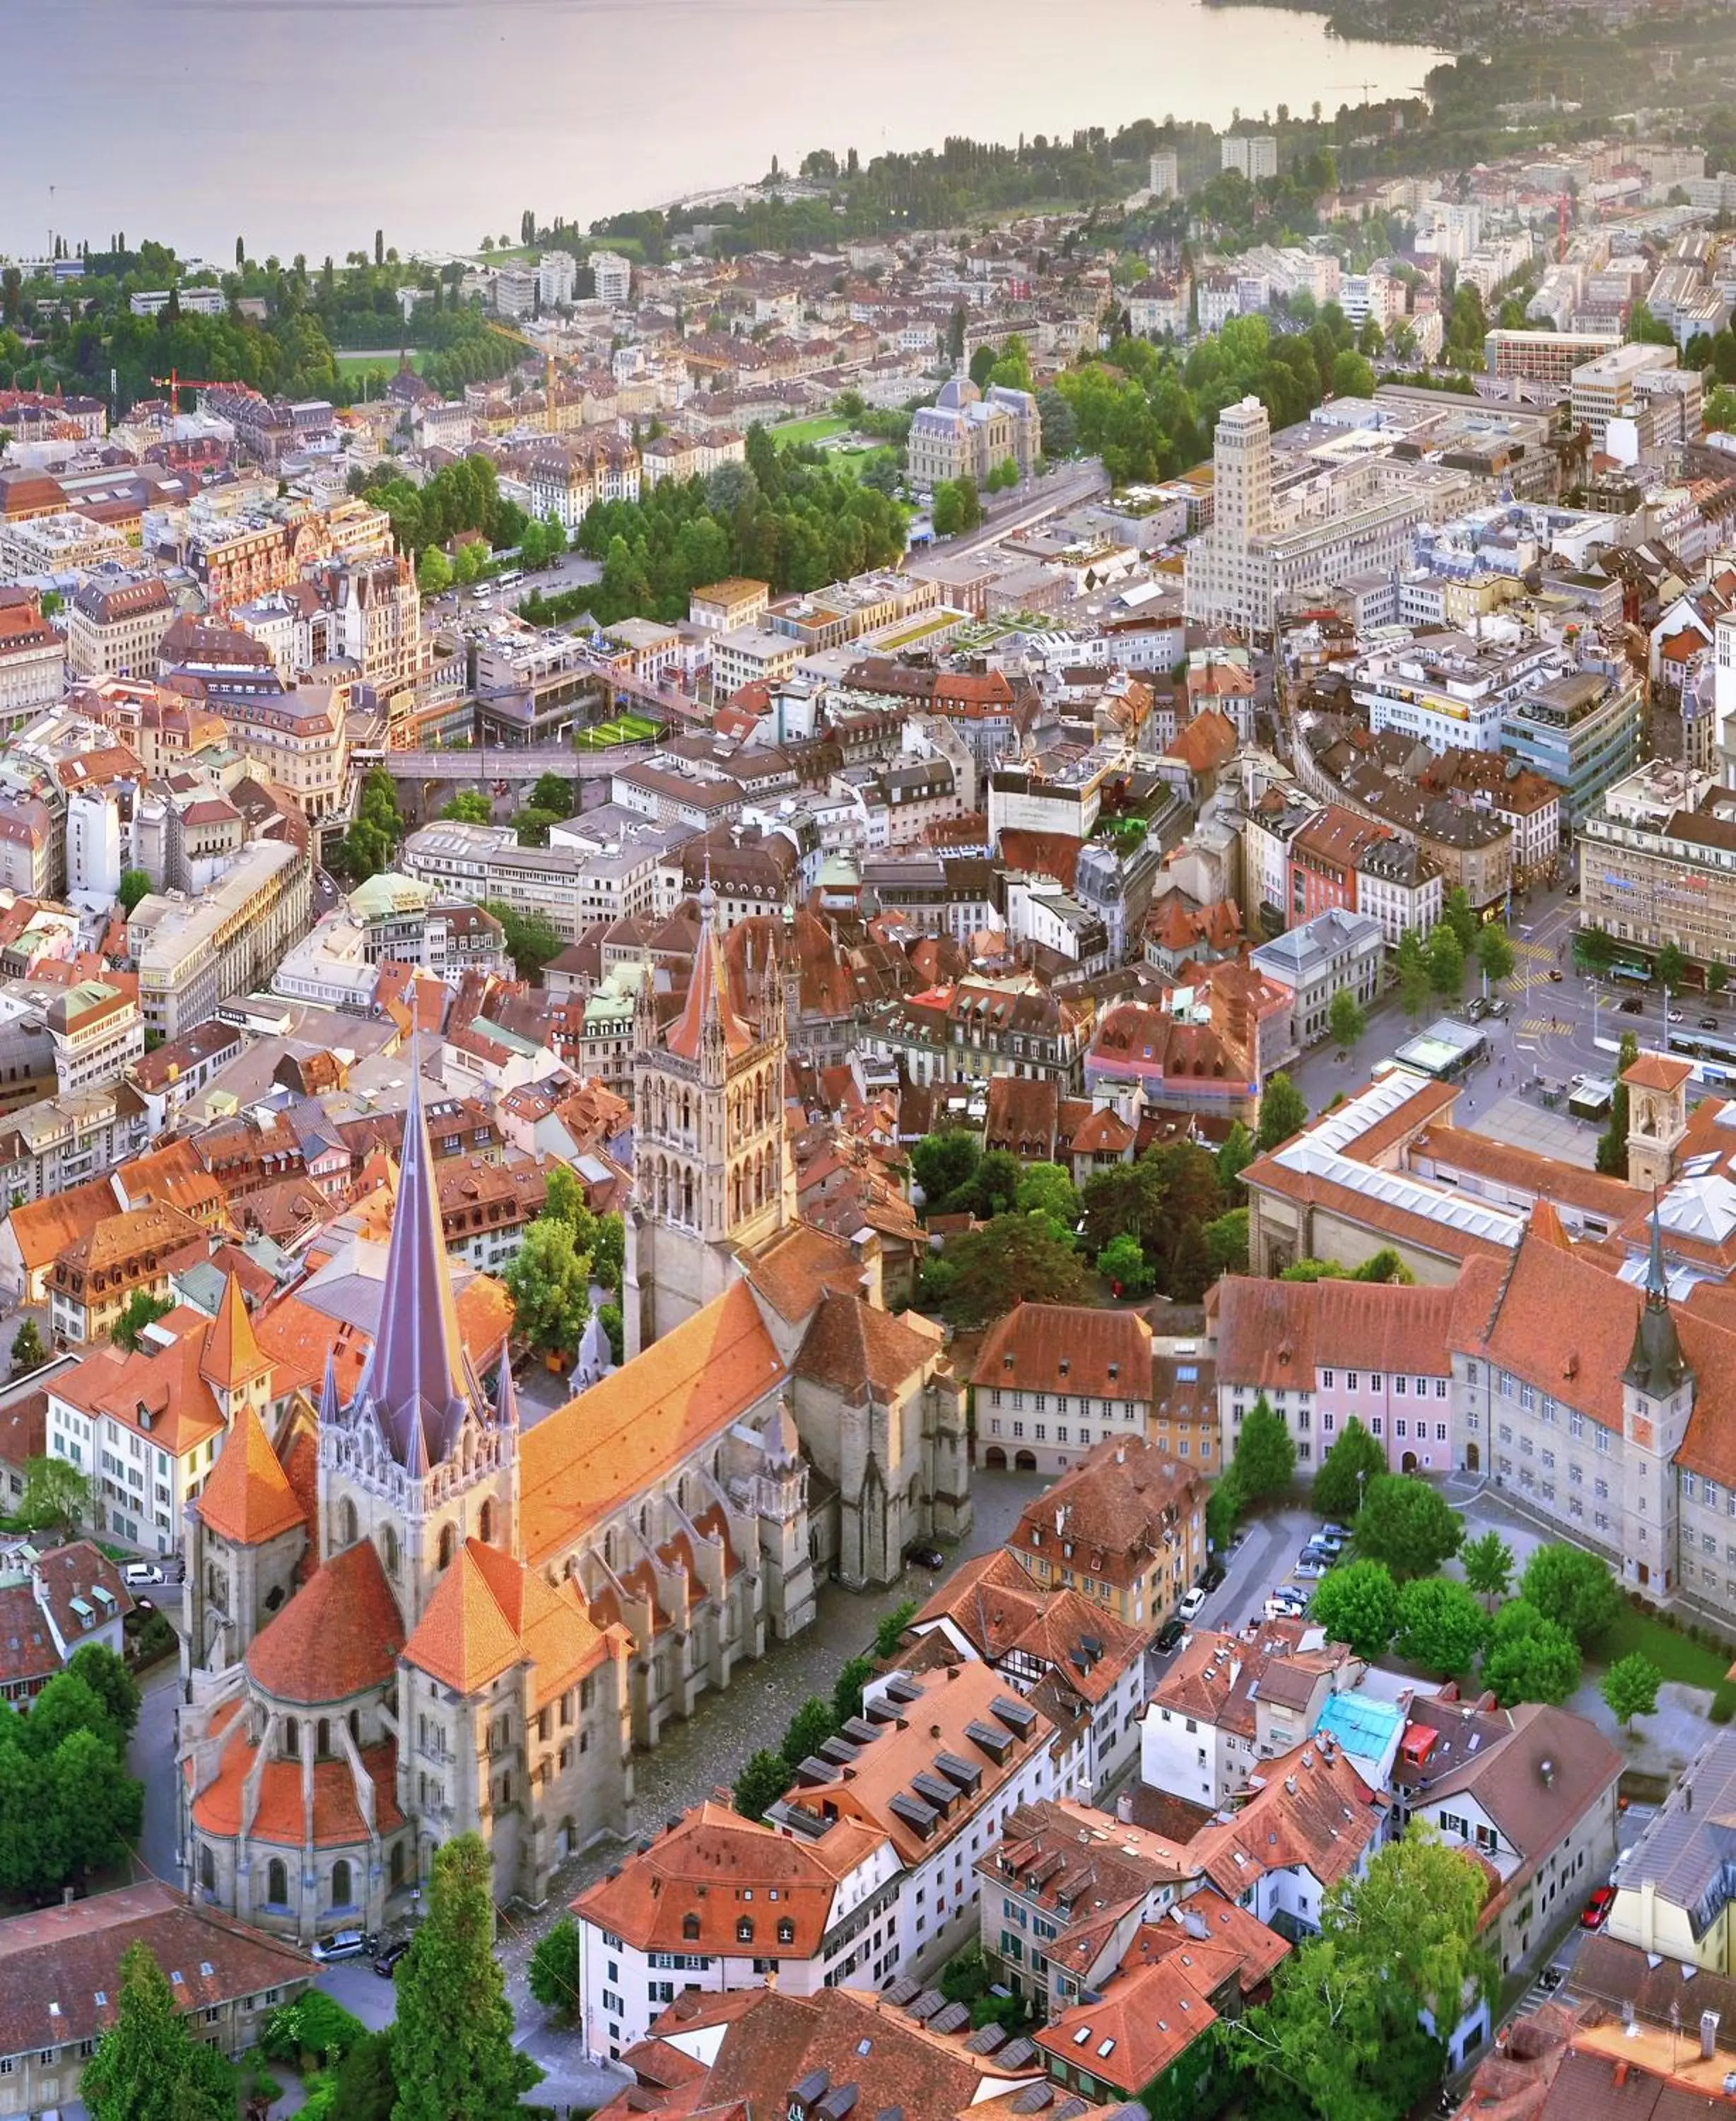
(67, 1804)
(768, 1772)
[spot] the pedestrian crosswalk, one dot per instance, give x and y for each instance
(1538, 1026)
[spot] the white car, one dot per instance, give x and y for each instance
(342, 1944)
(1312, 1566)
(1191, 1604)
(1280, 1608)
(138, 1573)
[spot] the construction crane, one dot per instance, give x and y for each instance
(523, 339)
(1560, 229)
(174, 383)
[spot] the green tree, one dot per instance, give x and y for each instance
(1611, 1157)
(994, 1185)
(1226, 1243)
(373, 838)
(1446, 963)
(28, 1352)
(762, 1780)
(1717, 976)
(1416, 1913)
(134, 885)
(95, 1808)
(1460, 916)
(1352, 377)
(1346, 1018)
(1047, 1189)
(1593, 950)
(1124, 1263)
(1630, 1687)
(1487, 1563)
(1224, 1506)
(1404, 1522)
(1414, 985)
(1441, 1625)
(140, 1310)
(365, 2088)
(1574, 1589)
(1265, 1464)
(549, 1280)
(532, 826)
(553, 1974)
(889, 1633)
(555, 794)
(532, 938)
(847, 1690)
(452, 2040)
(1234, 1157)
(1355, 1459)
(148, 2066)
(1358, 1604)
(1495, 958)
(470, 806)
(1671, 967)
(433, 572)
(942, 1164)
(106, 1675)
(807, 1730)
(1012, 1260)
(1284, 1111)
(1528, 1658)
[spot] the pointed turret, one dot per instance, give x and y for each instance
(231, 1360)
(1657, 1365)
(328, 1403)
(708, 1026)
(416, 1376)
(506, 1392)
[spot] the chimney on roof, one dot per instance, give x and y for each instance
(1125, 1815)
(1708, 2034)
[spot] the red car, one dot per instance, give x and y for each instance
(1595, 1913)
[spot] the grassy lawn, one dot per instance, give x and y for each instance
(352, 364)
(809, 431)
(1692, 1664)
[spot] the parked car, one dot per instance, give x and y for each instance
(1192, 1602)
(1501, 1008)
(386, 1959)
(1170, 1634)
(342, 1944)
(1285, 1609)
(142, 1572)
(1331, 1531)
(1328, 1542)
(1595, 1913)
(1211, 1575)
(1311, 1564)
(919, 1555)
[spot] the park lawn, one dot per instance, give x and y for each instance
(816, 429)
(352, 364)
(1690, 1664)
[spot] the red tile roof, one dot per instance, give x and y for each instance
(339, 1636)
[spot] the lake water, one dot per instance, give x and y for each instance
(304, 124)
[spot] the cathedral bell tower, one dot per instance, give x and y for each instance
(708, 1141)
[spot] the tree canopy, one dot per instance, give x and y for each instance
(1264, 1463)
(148, 2066)
(1404, 1522)
(1012, 1259)
(1355, 1459)
(1441, 1625)
(1358, 1603)
(1528, 1658)
(1574, 1589)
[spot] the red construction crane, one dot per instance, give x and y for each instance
(174, 383)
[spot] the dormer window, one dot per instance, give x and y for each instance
(786, 1932)
(744, 1929)
(689, 1929)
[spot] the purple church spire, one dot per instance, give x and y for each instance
(418, 1377)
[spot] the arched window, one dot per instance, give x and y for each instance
(340, 1889)
(292, 1738)
(448, 1546)
(485, 1524)
(744, 1929)
(398, 1864)
(276, 1884)
(786, 1932)
(322, 1737)
(689, 1929)
(207, 1867)
(390, 1553)
(347, 1525)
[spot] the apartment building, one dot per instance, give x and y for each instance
(1123, 1526)
(975, 1029)
(1616, 384)
(717, 1904)
(1657, 864)
(298, 737)
(613, 276)
(97, 1033)
(99, 1272)
(726, 607)
(1251, 155)
(1315, 960)
(33, 660)
(62, 1141)
(937, 1761)
(1091, 1369)
(751, 655)
(1542, 356)
(192, 954)
(114, 623)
